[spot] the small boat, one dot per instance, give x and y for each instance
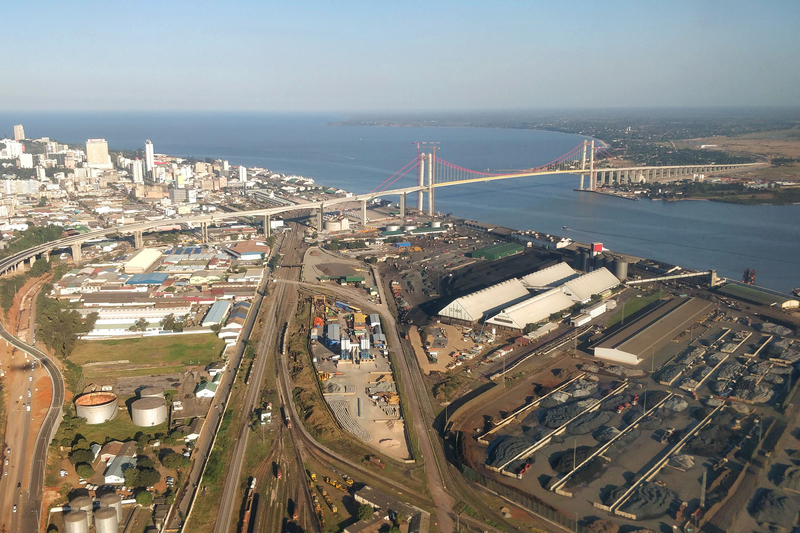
(796, 292)
(564, 227)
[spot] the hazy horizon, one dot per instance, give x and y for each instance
(349, 57)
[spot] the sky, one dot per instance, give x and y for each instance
(398, 55)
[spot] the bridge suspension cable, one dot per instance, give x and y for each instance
(397, 175)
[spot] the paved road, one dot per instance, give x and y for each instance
(30, 502)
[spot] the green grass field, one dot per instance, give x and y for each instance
(634, 305)
(121, 428)
(167, 351)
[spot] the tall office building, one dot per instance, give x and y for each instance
(242, 173)
(19, 132)
(138, 170)
(97, 154)
(149, 156)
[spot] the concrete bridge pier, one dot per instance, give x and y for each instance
(76, 253)
(46, 256)
(32, 260)
(364, 213)
(267, 226)
(319, 216)
(403, 205)
(204, 232)
(582, 176)
(138, 240)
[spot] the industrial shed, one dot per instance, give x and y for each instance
(644, 336)
(474, 306)
(140, 262)
(153, 278)
(532, 310)
(549, 277)
(216, 314)
(758, 295)
(583, 287)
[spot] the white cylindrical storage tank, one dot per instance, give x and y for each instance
(333, 225)
(106, 521)
(436, 224)
(96, 407)
(392, 227)
(85, 504)
(147, 412)
(76, 522)
(409, 228)
(112, 501)
(151, 392)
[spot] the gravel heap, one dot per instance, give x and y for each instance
(625, 371)
(558, 416)
(774, 329)
(670, 372)
(682, 461)
(624, 442)
(774, 507)
(676, 403)
(581, 388)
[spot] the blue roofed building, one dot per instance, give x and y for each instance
(153, 278)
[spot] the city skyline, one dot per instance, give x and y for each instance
(414, 56)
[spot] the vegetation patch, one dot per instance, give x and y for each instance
(155, 351)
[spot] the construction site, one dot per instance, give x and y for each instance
(351, 356)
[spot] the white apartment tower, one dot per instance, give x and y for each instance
(149, 156)
(97, 154)
(243, 174)
(137, 167)
(19, 132)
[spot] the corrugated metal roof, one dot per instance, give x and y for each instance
(153, 278)
(216, 314)
(551, 276)
(582, 288)
(532, 310)
(473, 306)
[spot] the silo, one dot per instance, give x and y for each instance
(409, 228)
(151, 392)
(147, 412)
(621, 269)
(83, 503)
(112, 501)
(599, 261)
(96, 407)
(76, 522)
(106, 521)
(392, 227)
(583, 261)
(436, 224)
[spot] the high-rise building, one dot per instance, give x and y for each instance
(25, 160)
(97, 154)
(137, 170)
(149, 156)
(19, 132)
(225, 165)
(41, 174)
(243, 173)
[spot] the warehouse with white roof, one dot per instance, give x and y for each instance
(549, 277)
(473, 307)
(582, 288)
(532, 310)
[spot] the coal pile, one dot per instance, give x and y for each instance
(774, 507)
(602, 526)
(558, 416)
(676, 403)
(670, 372)
(581, 388)
(729, 371)
(624, 441)
(709, 441)
(505, 450)
(589, 422)
(647, 501)
(747, 389)
(561, 462)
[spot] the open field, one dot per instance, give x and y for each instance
(634, 305)
(142, 356)
(772, 143)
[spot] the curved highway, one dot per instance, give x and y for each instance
(29, 506)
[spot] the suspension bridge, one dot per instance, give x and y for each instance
(430, 173)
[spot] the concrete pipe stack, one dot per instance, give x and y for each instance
(112, 501)
(148, 412)
(76, 522)
(106, 521)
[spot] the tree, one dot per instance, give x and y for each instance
(81, 456)
(144, 498)
(555, 316)
(175, 461)
(84, 470)
(596, 297)
(131, 476)
(140, 325)
(528, 328)
(365, 512)
(145, 461)
(148, 477)
(42, 202)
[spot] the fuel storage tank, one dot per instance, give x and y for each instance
(147, 412)
(105, 521)
(112, 501)
(76, 522)
(96, 407)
